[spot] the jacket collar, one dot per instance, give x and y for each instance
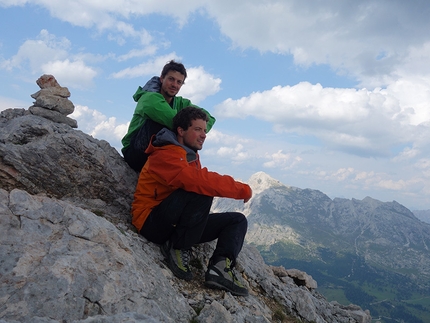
(167, 137)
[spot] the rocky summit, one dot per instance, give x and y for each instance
(68, 251)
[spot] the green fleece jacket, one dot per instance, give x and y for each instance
(154, 106)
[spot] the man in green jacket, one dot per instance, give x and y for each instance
(157, 104)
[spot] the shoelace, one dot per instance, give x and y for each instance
(227, 269)
(185, 257)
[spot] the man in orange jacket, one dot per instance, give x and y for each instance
(173, 198)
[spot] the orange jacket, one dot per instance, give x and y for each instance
(171, 166)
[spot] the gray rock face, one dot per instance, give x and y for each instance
(69, 254)
(41, 156)
(53, 116)
(64, 263)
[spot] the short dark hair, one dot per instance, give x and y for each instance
(184, 117)
(174, 66)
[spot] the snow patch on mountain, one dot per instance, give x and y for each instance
(260, 182)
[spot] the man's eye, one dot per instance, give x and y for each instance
(171, 79)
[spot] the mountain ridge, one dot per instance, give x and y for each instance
(367, 216)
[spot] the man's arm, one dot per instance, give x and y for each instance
(154, 106)
(172, 168)
(205, 182)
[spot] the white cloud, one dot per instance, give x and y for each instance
(217, 137)
(9, 103)
(282, 160)
(199, 85)
(367, 122)
(48, 54)
(343, 173)
(149, 68)
(109, 14)
(423, 165)
(36, 52)
(371, 180)
(366, 39)
(100, 126)
(407, 154)
(75, 74)
(8, 3)
(121, 32)
(147, 51)
(305, 166)
(231, 148)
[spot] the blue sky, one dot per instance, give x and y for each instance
(327, 95)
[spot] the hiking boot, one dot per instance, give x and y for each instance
(221, 276)
(177, 261)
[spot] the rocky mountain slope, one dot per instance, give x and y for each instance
(373, 253)
(68, 252)
(423, 215)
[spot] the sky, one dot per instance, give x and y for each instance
(329, 95)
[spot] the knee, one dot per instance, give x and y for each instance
(241, 219)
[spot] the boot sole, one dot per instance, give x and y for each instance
(215, 285)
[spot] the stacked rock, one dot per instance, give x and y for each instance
(52, 101)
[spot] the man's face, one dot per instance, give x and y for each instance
(171, 84)
(194, 136)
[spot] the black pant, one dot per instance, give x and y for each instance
(134, 154)
(184, 219)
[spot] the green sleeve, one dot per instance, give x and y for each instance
(154, 106)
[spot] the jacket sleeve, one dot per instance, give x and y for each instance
(154, 106)
(174, 170)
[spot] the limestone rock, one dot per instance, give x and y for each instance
(53, 116)
(300, 278)
(59, 91)
(66, 264)
(47, 81)
(41, 156)
(52, 101)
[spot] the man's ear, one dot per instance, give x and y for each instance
(180, 131)
(180, 135)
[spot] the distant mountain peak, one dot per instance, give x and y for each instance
(261, 181)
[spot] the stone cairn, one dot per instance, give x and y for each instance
(52, 101)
